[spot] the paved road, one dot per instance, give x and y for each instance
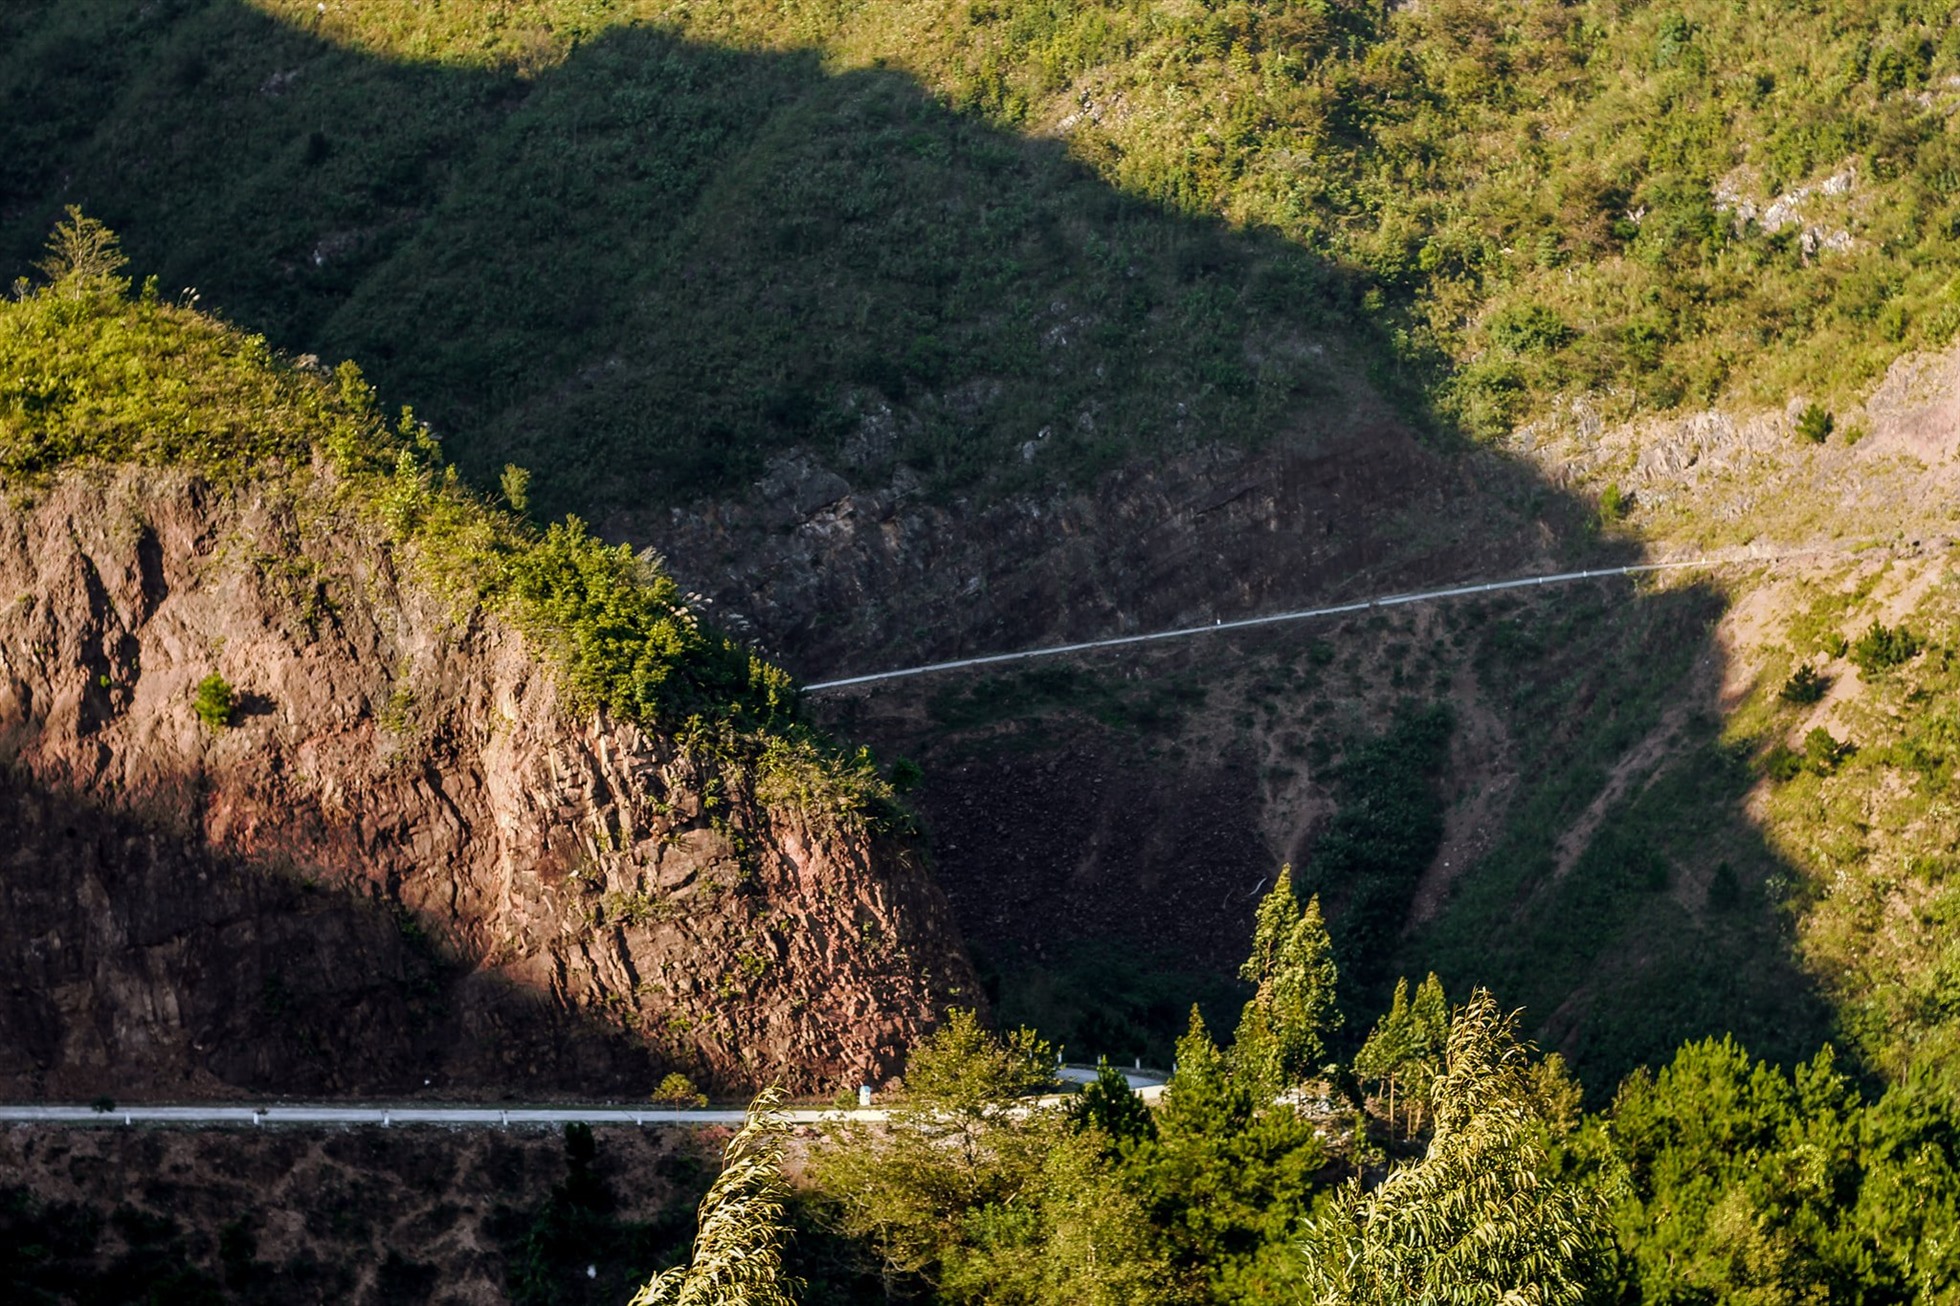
(1307, 614)
(1146, 1082)
(543, 1117)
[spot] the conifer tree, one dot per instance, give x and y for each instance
(1282, 1033)
(1112, 1107)
(1195, 1101)
(1405, 1052)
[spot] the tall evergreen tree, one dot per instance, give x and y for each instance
(1405, 1052)
(1283, 1031)
(1112, 1107)
(1226, 1181)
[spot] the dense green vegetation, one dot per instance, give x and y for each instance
(642, 266)
(1384, 835)
(93, 376)
(1551, 196)
(638, 245)
(1715, 1179)
(1232, 1189)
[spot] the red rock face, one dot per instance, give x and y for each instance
(406, 859)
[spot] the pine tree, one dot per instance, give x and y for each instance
(1378, 1065)
(738, 1257)
(1405, 1052)
(1199, 1097)
(1480, 1219)
(1282, 1034)
(1112, 1107)
(1429, 1042)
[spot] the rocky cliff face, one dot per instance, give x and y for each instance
(406, 861)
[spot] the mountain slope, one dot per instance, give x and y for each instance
(296, 803)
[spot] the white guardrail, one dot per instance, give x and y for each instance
(385, 1115)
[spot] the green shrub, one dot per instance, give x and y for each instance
(1881, 648)
(1806, 685)
(1614, 504)
(1529, 329)
(906, 775)
(677, 1090)
(214, 702)
(1815, 423)
(1782, 763)
(1823, 752)
(516, 486)
(1724, 888)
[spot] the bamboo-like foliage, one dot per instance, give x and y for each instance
(1479, 1221)
(738, 1256)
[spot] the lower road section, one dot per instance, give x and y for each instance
(538, 1117)
(1146, 1082)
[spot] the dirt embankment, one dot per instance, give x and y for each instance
(406, 862)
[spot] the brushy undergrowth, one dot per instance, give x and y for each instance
(91, 375)
(1860, 807)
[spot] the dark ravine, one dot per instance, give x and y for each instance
(407, 862)
(841, 579)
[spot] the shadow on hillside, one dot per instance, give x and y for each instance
(155, 967)
(648, 271)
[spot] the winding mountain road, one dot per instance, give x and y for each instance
(1305, 614)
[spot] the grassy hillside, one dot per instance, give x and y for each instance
(1858, 743)
(1540, 195)
(636, 246)
(641, 265)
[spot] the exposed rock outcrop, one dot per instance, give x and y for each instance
(407, 859)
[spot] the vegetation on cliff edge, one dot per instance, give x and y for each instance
(93, 375)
